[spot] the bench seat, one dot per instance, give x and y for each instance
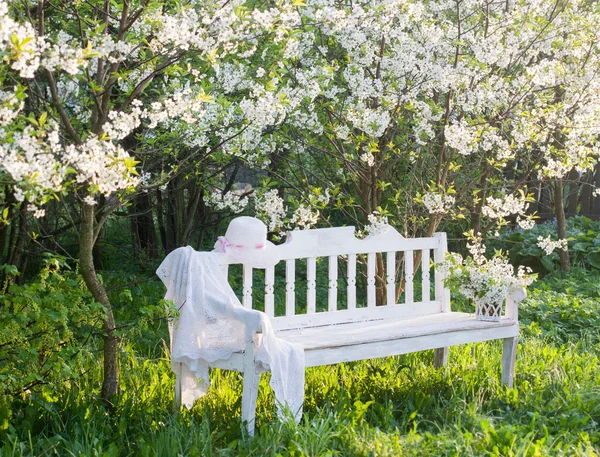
(384, 337)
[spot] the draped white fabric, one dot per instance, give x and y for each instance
(213, 324)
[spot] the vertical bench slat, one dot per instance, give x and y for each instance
(371, 259)
(247, 288)
(408, 276)
(391, 278)
(333, 287)
(269, 291)
(290, 287)
(351, 281)
(425, 282)
(442, 293)
(311, 292)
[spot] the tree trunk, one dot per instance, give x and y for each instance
(16, 256)
(160, 216)
(110, 384)
(196, 193)
(561, 223)
(142, 225)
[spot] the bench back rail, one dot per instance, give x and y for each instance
(338, 246)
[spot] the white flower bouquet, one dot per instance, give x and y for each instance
(487, 282)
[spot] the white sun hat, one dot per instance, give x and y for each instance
(246, 241)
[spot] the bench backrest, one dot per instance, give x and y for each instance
(340, 247)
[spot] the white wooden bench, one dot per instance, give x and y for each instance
(347, 330)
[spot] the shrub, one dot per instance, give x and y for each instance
(583, 236)
(45, 327)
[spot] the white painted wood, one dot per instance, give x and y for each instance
(328, 356)
(235, 362)
(440, 357)
(509, 358)
(290, 287)
(341, 241)
(343, 316)
(390, 282)
(311, 286)
(425, 279)
(247, 287)
(442, 293)
(351, 281)
(511, 309)
(270, 292)
(385, 329)
(409, 289)
(178, 375)
(333, 286)
(250, 390)
(371, 295)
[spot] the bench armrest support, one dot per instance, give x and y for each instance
(511, 309)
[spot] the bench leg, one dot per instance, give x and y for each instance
(177, 402)
(250, 392)
(440, 357)
(509, 357)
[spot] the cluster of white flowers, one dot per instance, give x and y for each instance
(437, 203)
(461, 137)
(526, 223)
(114, 51)
(30, 160)
(485, 281)
(368, 158)
(304, 218)
(103, 165)
(39, 163)
(19, 44)
(64, 55)
(230, 200)
(372, 122)
(496, 208)
(10, 106)
(324, 197)
(549, 245)
(270, 204)
(377, 223)
(25, 51)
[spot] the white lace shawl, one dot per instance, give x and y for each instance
(213, 324)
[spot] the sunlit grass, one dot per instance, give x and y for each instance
(392, 406)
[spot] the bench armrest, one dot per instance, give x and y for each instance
(253, 321)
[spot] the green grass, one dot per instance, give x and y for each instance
(393, 406)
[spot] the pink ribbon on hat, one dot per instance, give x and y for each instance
(226, 245)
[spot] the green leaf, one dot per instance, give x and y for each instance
(547, 263)
(594, 259)
(581, 246)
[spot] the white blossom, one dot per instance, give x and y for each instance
(438, 203)
(271, 205)
(230, 200)
(549, 245)
(500, 207)
(377, 223)
(304, 218)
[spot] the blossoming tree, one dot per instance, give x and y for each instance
(427, 113)
(436, 111)
(93, 91)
